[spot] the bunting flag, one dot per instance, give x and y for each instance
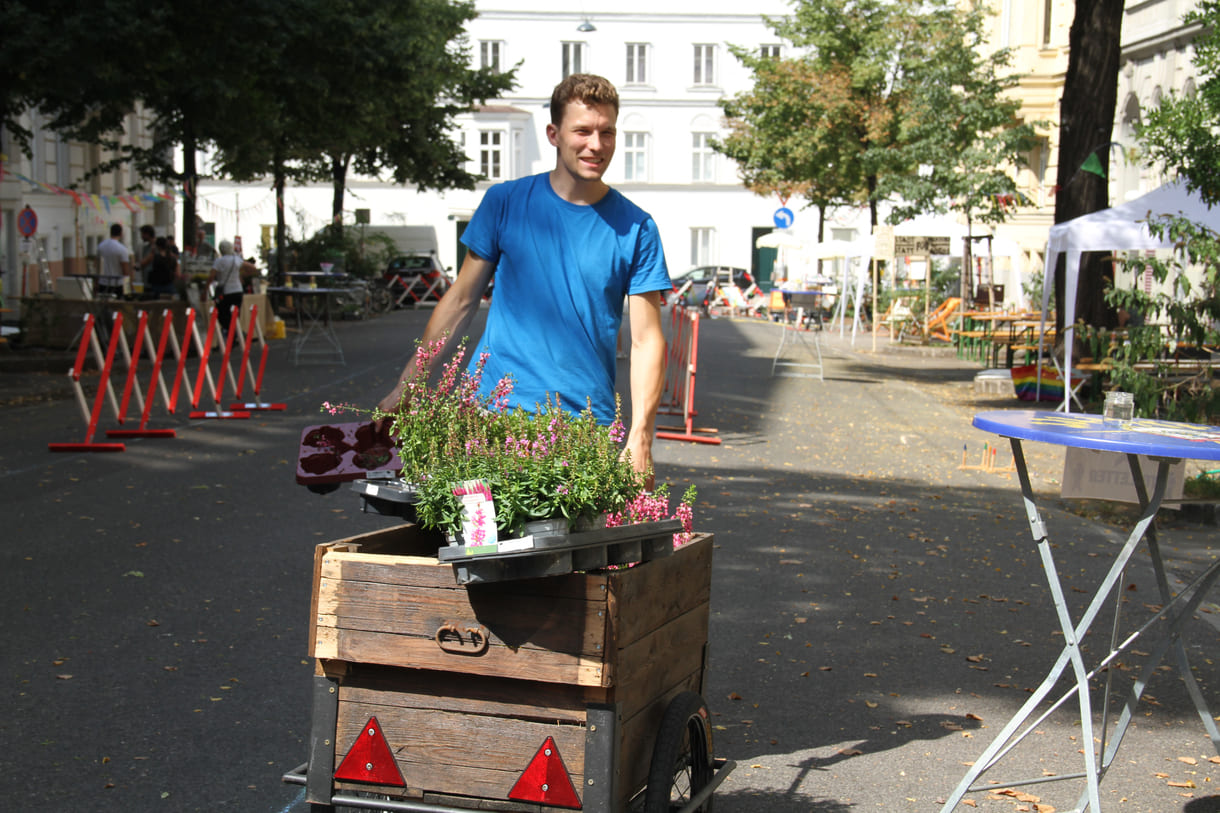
(134, 203)
(1093, 164)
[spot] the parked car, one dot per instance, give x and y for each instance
(421, 273)
(698, 287)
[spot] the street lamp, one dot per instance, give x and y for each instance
(585, 26)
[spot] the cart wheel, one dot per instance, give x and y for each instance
(682, 757)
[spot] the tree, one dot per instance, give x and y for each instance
(783, 136)
(829, 120)
(1086, 121)
(413, 74)
(1179, 137)
(962, 130)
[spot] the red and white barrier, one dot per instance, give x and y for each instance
(244, 369)
(132, 384)
(167, 348)
(679, 394)
(204, 349)
(88, 340)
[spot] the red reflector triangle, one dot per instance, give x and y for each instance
(370, 759)
(546, 781)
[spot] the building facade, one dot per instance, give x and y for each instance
(1156, 61)
(671, 63)
(73, 214)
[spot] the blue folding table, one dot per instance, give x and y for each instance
(1165, 442)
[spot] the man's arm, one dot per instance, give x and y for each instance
(647, 377)
(450, 319)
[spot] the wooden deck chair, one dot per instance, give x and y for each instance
(939, 319)
(897, 314)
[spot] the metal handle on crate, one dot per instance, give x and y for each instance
(449, 637)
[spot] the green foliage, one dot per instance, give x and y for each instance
(539, 465)
(1180, 137)
(350, 251)
(958, 123)
(1179, 324)
(1203, 486)
(815, 122)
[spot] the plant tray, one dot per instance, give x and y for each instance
(557, 553)
(340, 452)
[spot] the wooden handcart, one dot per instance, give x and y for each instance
(576, 691)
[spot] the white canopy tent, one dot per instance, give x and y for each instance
(853, 276)
(1119, 228)
(785, 242)
(943, 226)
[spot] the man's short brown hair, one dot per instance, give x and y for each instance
(585, 88)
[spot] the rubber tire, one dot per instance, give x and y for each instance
(681, 757)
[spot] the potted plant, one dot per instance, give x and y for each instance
(549, 464)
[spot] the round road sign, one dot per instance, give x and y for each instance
(27, 222)
(783, 217)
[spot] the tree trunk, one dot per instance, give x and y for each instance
(1086, 119)
(190, 180)
(280, 241)
(821, 231)
(338, 175)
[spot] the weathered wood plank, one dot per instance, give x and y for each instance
(526, 622)
(638, 735)
(468, 754)
(359, 646)
(471, 694)
(644, 598)
(652, 667)
(427, 571)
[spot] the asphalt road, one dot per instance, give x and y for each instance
(877, 613)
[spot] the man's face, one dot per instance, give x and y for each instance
(585, 139)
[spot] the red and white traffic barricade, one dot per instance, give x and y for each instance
(245, 369)
(89, 341)
(204, 349)
(679, 394)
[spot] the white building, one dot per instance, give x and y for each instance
(1157, 54)
(70, 224)
(671, 63)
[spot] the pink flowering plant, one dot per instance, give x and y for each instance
(545, 464)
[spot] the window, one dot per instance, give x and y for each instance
(491, 154)
(703, 160)
(769, 51)
(637, 63)
(490, 52)
(702, 245)
(705, 65)
(573, 58)
(635, 156)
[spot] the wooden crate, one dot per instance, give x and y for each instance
(464, 720)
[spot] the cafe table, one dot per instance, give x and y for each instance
(1164, 443)
(315, 328)
(801, 301)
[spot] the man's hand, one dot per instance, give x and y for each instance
(639, 450)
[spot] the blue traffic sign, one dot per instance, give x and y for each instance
(783, 217)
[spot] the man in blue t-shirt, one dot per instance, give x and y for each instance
(565, 249)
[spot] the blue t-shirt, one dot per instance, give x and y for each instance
(562, 271)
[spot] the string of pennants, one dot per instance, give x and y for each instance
(135, 203)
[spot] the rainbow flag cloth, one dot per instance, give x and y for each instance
(1025, 382)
